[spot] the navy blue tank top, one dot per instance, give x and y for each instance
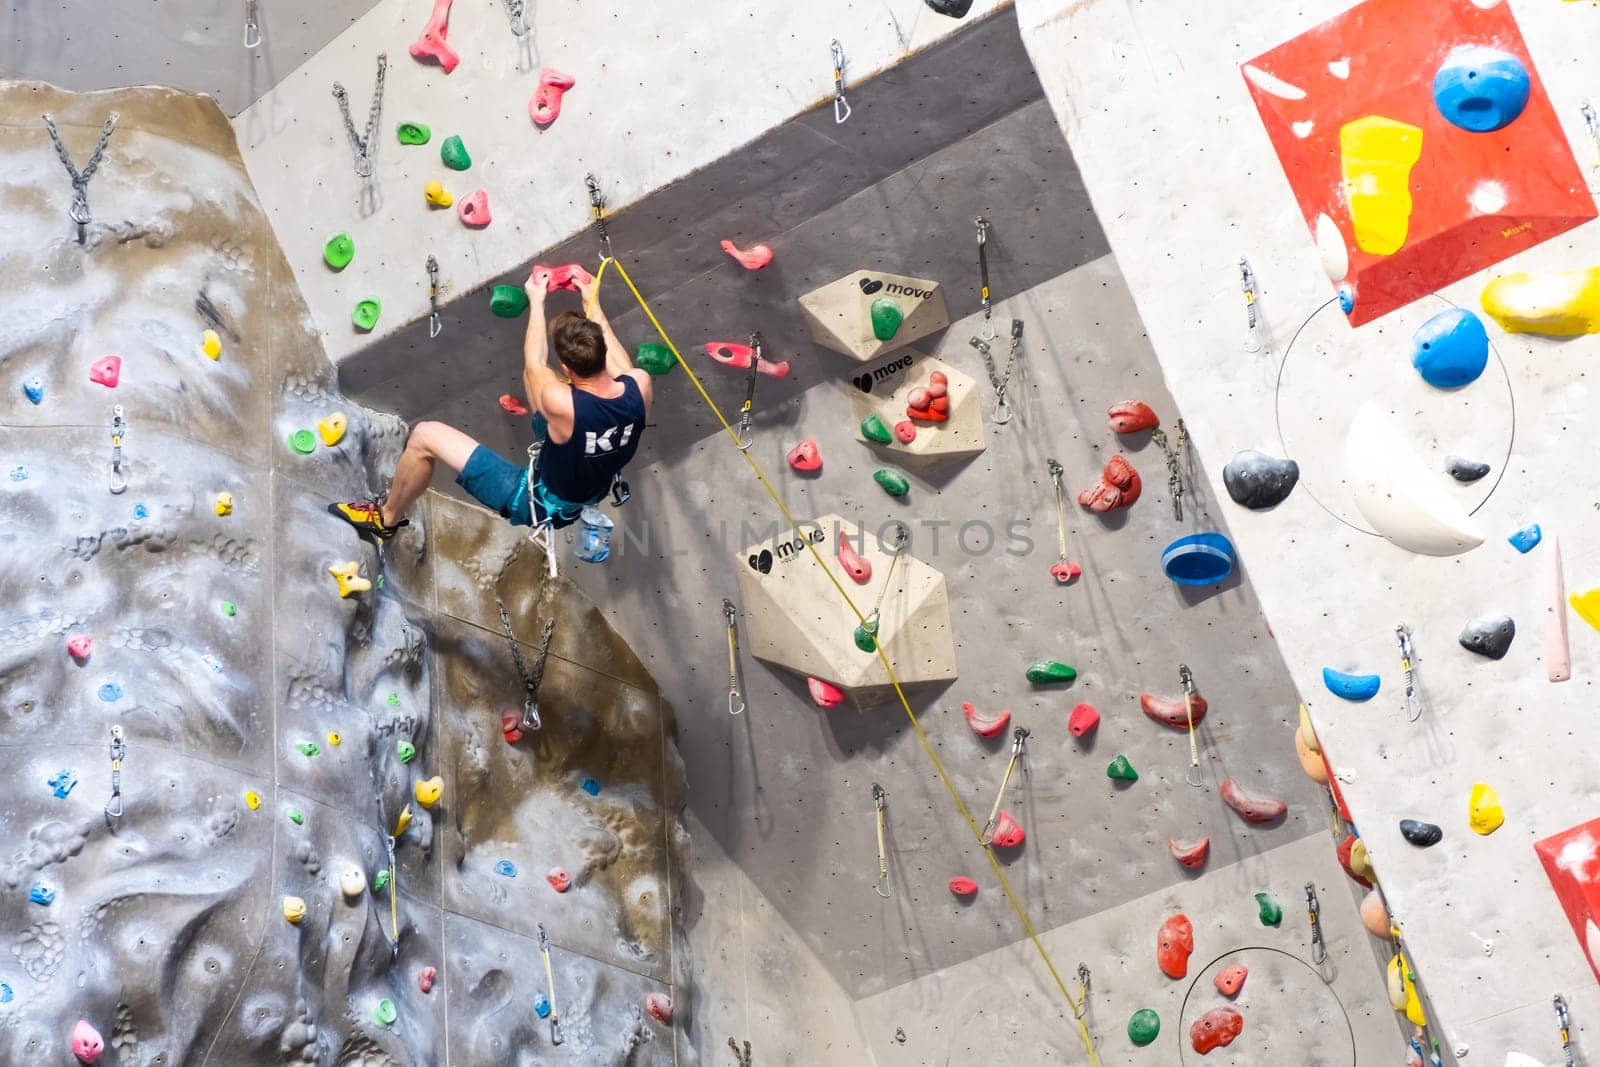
(605, 435)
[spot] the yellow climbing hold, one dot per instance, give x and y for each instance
(434, 194)
(349, 578)
(429, 790)
(294, 909)
(211, 344)
(224, 504)
(1587, 605)
(1563, 304)
(1376, 155)
(252, 800)
(1484, 813)
(331, 429)
(334, 737)
(1308, 736)
(403, 821)
(1402, 982)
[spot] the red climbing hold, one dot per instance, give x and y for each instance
(860, 570)
(1190, 856)
(1215, 1029)
(824, 694)
(1346, 847)
(106, 371)
(963, 887)
(1250, 806)
(432, 45)
(1174, 944)
(544, 107)
(986, 726)
(1231, 979)
(559, 879)
(78, 646)
(753, 258)
(1065, 571)
(1131, 416)
(1007, 833)
(906, 431)
(805, 456)
(1119, 487)
(739, 356)
(512, 406)
(1170, 711)
(425, 979)
(511, 726)
(474, 210)
(1084, 718)
(659, 1005)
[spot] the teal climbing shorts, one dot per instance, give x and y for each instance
(497, 484)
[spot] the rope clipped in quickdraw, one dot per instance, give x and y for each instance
(1564, 1021)
(1319, 948)
(742, 1057)
(987, 333)
(1173, 450)
(735, 698)
(365, 144)
(1019, 741)
(597, 203)
(550, 988)
(530, 679)
(879, 797)
(79, 212)
(435, 324)
(747, 413)
(1001, 380)
(1194, 777)
(119, 750)
(841, 106)
(252, 25)
(1247, 281)
(119, 427)
(1402, 634)
(866, 635)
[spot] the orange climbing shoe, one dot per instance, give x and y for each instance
(367, 517)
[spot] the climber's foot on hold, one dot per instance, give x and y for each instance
(367, 517)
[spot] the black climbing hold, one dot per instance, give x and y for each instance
(1256, 480)
(1489, 636)
(1465, 470)
(954, 8)
(1421, 834)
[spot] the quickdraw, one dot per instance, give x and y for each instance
(1173, 450)
(119, 751)
(866, 635)
(550, 988)
(841, 106)
(1001, 381)
(745, 434)
(252, 25)
(1247, 281)
(1564, 1021)
(365, 144)
(987, 334)
(742, 1057)
(735, 698)
(119, 427)
(879, 797)
(597, 203)
(79, 212)
(435, 324)
(1319, 949)
(1019, 741)
(531, 680)
(1186, 677)
(1402, 634)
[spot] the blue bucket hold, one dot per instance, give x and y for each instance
(1199, 559)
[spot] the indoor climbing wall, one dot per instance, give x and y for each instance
(253, 819)
(1403, 180)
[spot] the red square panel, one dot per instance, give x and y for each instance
(1476, 198)
(1572, 861)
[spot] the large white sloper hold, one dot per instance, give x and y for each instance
(1404, 501)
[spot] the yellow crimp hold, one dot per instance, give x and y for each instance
(1563, 304)
(434, 194)
(1587, 605)
(429, 790)
(252, 800)
(332, 428)
(403, 821)
(1402, 981)
(211, 344)
(294, 909)
(1484, 813)
(1376, 155)
(224, 504)
(349, 578)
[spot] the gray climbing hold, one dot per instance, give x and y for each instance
(1421, 834)
(1256, 480)
(1489, 636)
(1465, 470)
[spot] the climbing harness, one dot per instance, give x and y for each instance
(1247, 281)
(747, 412)
(987, 333)
(550, 987)
(365, 144)
(867, 633)
(841, 106)
(1402, 633)
(1174, 465)
(119, 427)
(119, 749)
(252, 25)
(434, 322)
(1002, 410)
(531, 680)
(735, 698)
(882, 886)
(1194, 777)
(519, 22)
(1319, 949)
(1057, 475)
(1564, 1021)
(1019, 741)
(79, 212)
(742, 1057)
(597, 202)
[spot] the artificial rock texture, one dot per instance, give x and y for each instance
(166, 930)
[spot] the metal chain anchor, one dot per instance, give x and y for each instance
(987, 333)
(841, 106)
(550, 986)
(895, 548)
(364, 144)
(252, 25)
(119, 427)
(79, 212)
(119, 750)
(597, 204)
(1194, 777)
(435, 324)
(1000, 381)
(1247, 281)
(1019, 741)
(879, 797)
(1173, 451)
(531, 680)
(1402, 635)
(735, 698)
(742, 1057)
(745, 435)
(1319, 949)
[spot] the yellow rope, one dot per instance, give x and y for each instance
(1076, 1003)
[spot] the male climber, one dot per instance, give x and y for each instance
(591, 422)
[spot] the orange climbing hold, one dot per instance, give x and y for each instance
(1174, 945)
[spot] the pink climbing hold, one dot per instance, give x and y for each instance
(1231, 979)
(87, 1044)
(1007, 831)
(824, 694)
(1084, 718)
(906, 431)
(1174, 945)
(78, 646)
(1119, 487)
(1190, 856)
(739, 356)
(425, 979)
(1131, 416)
(106, 371)
(1065, 571)
(474, 210)
(544, 107)
(511, 405)
(1215, 1029)
(659, 1005)
(753, 258)
(859, 569)
(1251, 807)
(1171, 712)
(986, 726)
(963, 887)
(432, 45)
(559, 879)
(805, 456)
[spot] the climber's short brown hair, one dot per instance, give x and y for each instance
(579, 343)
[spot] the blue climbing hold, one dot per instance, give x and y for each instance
(1347, 298)
(42, 894)
(61, 783)
(506, 869)
(111, 692)
(1527, 538)
(140, 511)
(1451, 349)
(591, 787)
(541, 1006)
(1481, 89)
(33, 389)
(19, 474)
(1351, 686)
(1198, 559)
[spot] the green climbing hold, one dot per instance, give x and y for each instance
(1050, 672)
(1271, 914)
(339, 251)
(380, 881)
(308, 748)
(365, 316)
(508, 301)
(394, 700)
(454, 153)
(1144, 1027)
(303, 442)
(886, 318)
(866, 636)
(296, 818)
(873, 429)
(1121, 770)
(405, 750)
(892, 482)
(229, 608)
(413, 133)
(655, 359)
(384, 1014)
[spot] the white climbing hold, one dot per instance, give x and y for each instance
(1405, 502)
